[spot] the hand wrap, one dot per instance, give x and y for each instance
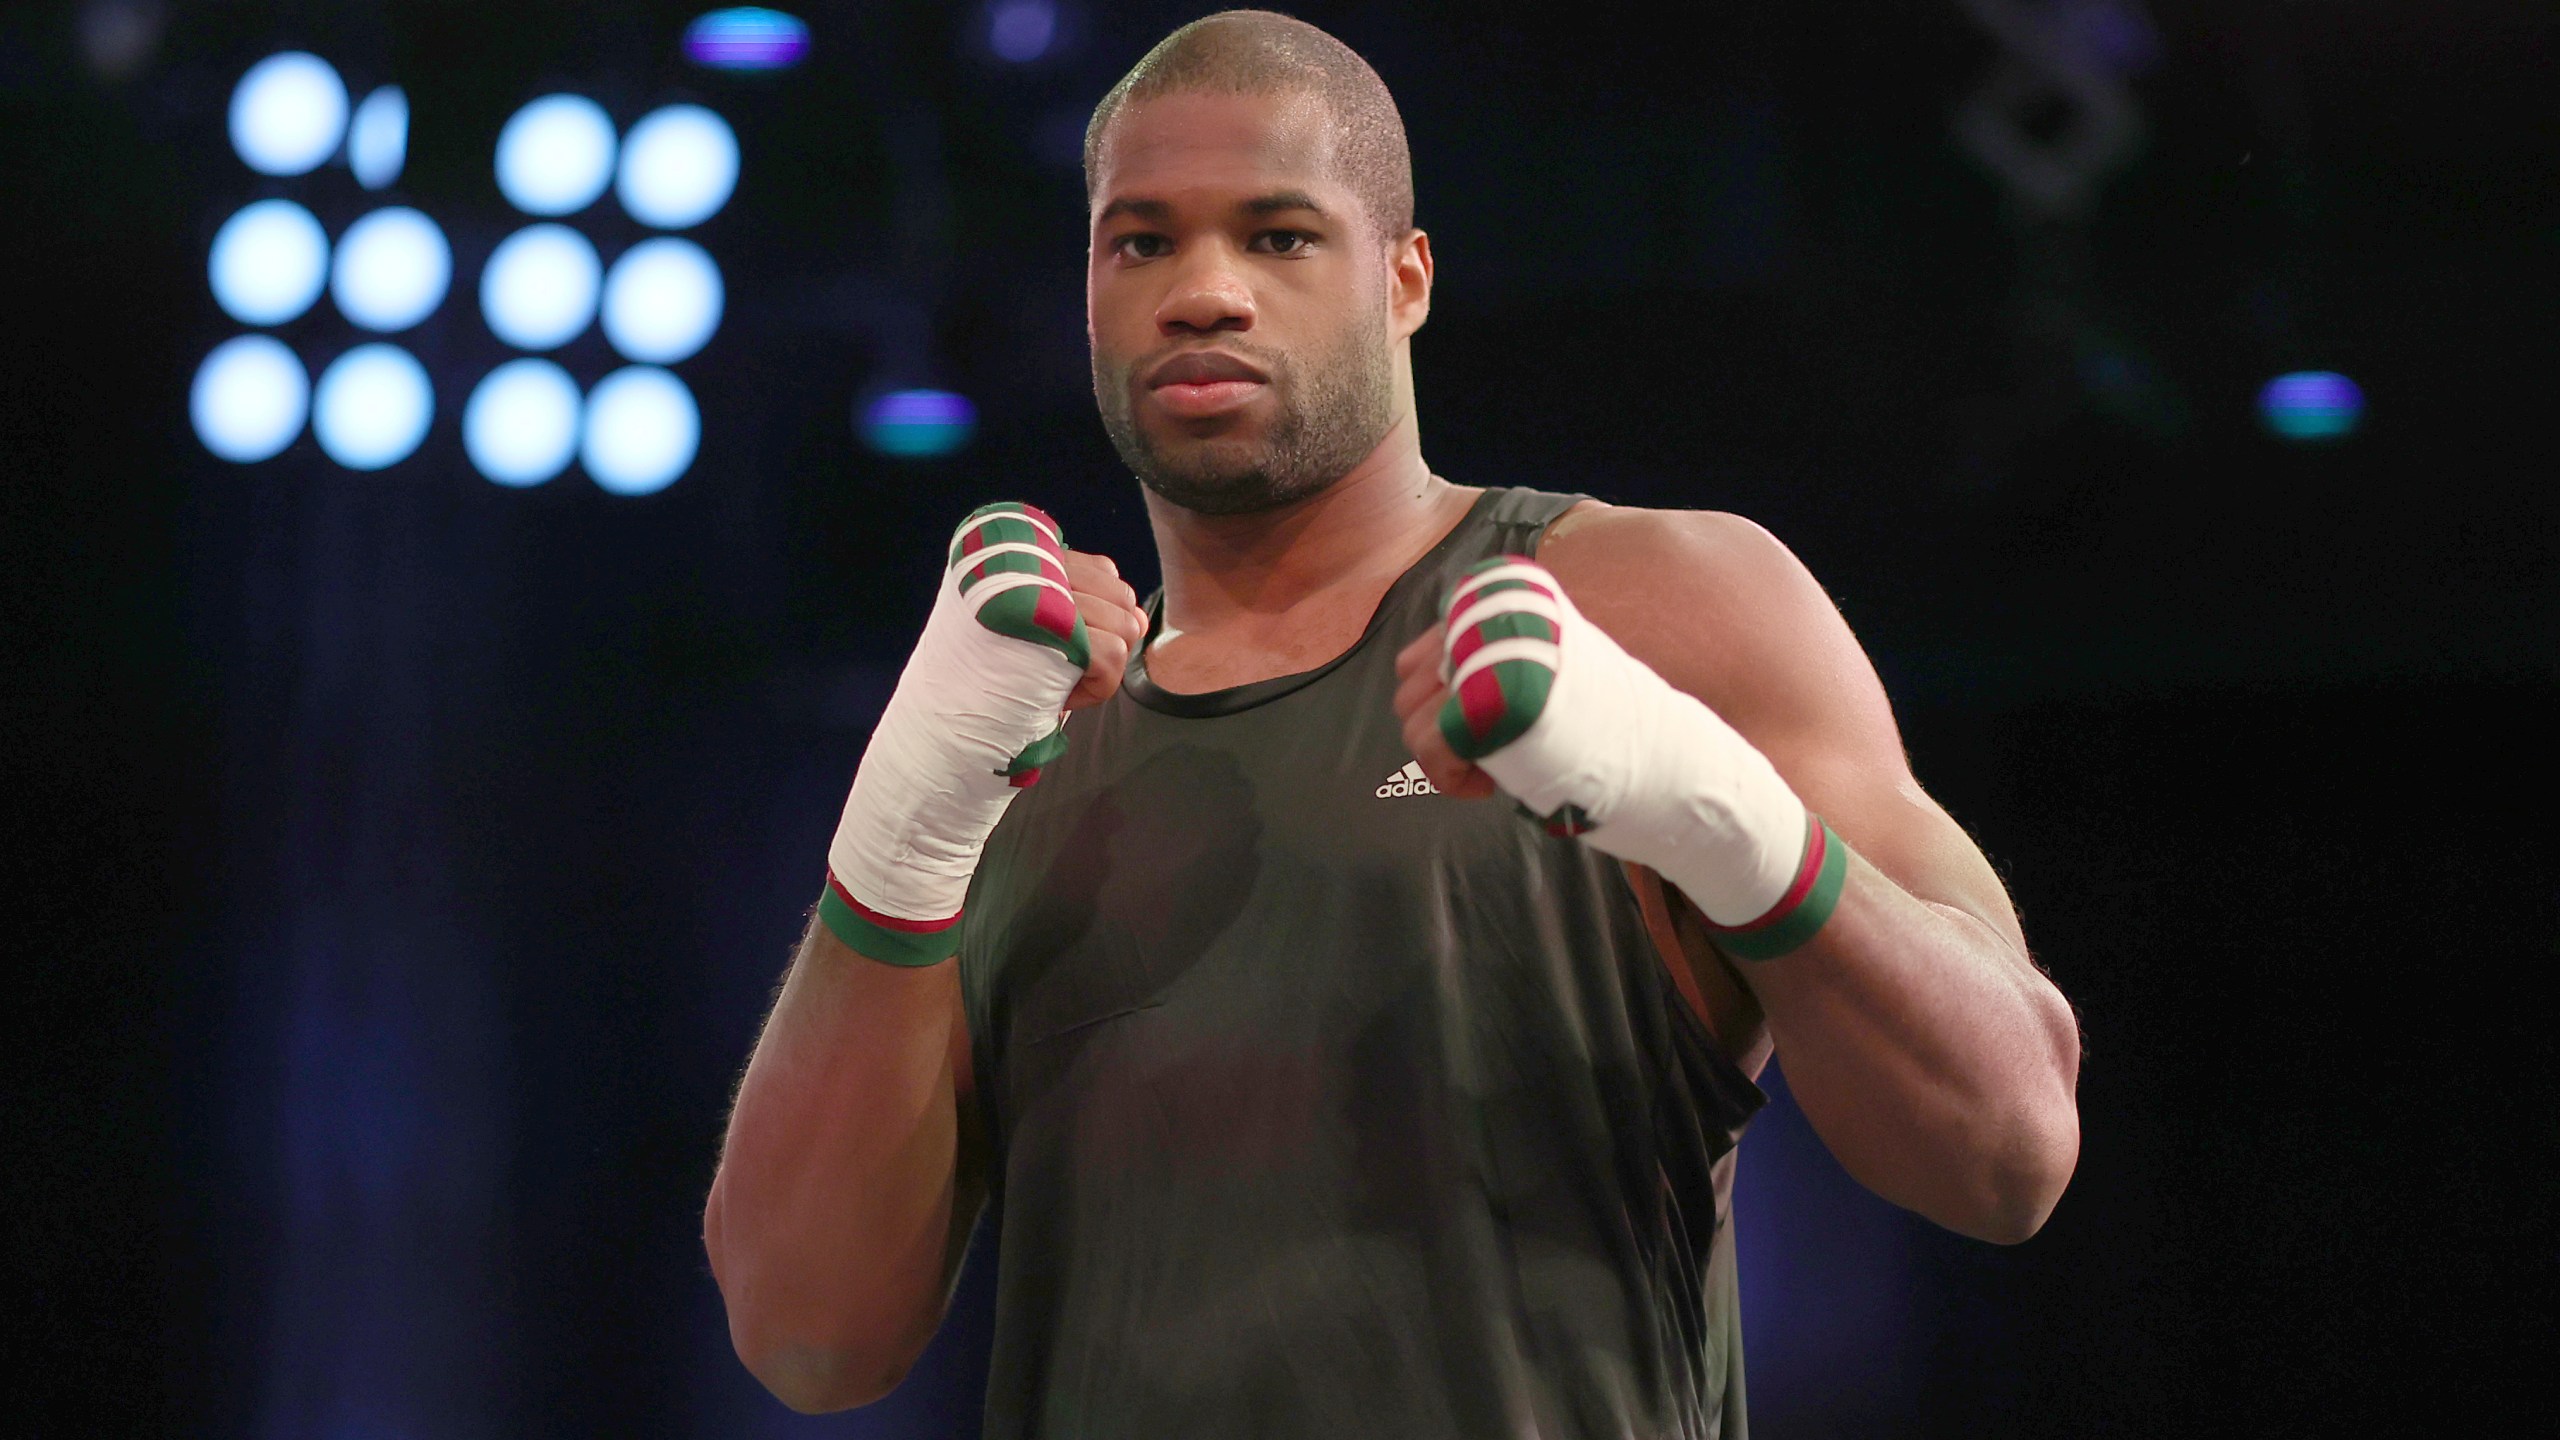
(974, 717)
(1592, 742)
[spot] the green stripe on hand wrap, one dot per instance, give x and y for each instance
(1002, 521)
(1795, 919)
(874, 941)
(1038, 753)
(1034, 613)
(1517, 691)
(1025, 542)
(1495, 699)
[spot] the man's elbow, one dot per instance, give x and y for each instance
(2040, 1148)
(815, 1380)
(2027, 1181)
(815, 1360)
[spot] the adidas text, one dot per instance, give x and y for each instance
(1408, 781)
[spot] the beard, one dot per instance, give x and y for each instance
(1331, 414)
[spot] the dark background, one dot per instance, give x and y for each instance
(400, 864)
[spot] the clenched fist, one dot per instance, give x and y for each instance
(1114, 625)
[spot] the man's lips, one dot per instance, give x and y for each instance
(1200, 383)
(1192, 400)
(1202, 367)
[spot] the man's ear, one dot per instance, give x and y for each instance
(1409, 282)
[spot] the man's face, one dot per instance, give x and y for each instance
(1235, 297)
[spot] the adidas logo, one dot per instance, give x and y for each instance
(1408, 781)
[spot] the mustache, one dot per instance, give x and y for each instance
(1269, 362)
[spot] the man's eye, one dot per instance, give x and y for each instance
(1285, 242)
(1141, 246)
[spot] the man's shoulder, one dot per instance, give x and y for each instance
(1711, 600)
(1700, 556)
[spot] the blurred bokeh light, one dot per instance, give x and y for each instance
(372, 406)
(555, 155)
(539, 288)
(392, 269)
(2311, 405)
(287, 114)
(268, 262)
(679, 165)
(520, 426)
(641, 430)
(249, 398)
(662, 300)
(917, 424)
(746, 37)
(378, 138)
(1022, 30)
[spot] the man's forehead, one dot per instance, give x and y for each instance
(1194, 141)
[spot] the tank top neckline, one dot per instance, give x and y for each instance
(1235, 699)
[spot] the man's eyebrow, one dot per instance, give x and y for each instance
(1151, 210)
(1279, 200)
(1157, 212)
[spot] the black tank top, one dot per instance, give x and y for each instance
(1324, 1104)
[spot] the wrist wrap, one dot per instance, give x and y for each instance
(1799, 913)
(974, 717)
(1593, 743)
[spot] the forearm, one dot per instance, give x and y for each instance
(830, 1215)
(1931, 1056)
(851, 1176)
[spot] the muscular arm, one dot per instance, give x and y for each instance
(854, 1167)
(845, 1193)
(1931, 1055)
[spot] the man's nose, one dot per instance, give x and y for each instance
(1208, 295)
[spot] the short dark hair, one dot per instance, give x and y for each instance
(1262, 52)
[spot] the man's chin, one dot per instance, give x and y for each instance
(1222, 492)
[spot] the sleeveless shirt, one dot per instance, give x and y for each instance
(1324, 1104)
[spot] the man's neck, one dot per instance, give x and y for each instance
(1224, 571)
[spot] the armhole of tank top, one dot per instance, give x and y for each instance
(1670, 936)
(1537, 534)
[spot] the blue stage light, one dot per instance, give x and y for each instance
(378, 138)
(268, 262)
(539, 289)
(287, 114)
(918, 423)
(679, 165)
(662, 300)
(642, 429)
(372, 406)
(249, 398)
(392, 269)
(2311, 405)
(555, 155)
(1022, 30)
(520, 426)
(746, 37)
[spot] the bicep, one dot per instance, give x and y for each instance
(1818, 710)
(1896, 826)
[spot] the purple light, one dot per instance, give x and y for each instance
(746, 37)
(1021, 30)
(918, 422)
(2311, 405)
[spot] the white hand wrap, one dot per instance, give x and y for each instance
(1588, 737)
(975, 714)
